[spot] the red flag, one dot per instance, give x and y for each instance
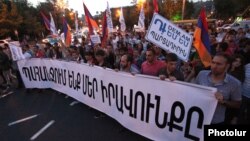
(104, 30)
(67, 33)
(155, 3)
(90, 20)
(201, 42)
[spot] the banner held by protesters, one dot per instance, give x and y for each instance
(131, 100)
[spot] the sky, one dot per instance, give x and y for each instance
(93, 5)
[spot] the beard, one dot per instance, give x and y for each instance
(216, 73)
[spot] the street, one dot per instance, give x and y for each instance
(50, 116)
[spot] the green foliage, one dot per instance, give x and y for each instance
(20, 16)
(10, 19)
(176, 17)
(171, 8)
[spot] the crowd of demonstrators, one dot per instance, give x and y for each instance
(131, 53)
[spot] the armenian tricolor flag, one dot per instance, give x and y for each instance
(90, 20)
(201, 39)
(67, 33)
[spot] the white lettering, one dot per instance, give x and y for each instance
(231, 133)
(210, 131)
(215, 132)
(244, 133)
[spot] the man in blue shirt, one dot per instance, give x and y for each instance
(229, 88)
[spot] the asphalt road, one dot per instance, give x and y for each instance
(52, 112)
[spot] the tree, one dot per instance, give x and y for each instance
(58, 10)
(10, 19)
(45, 8)
(31, 24)
(224, 8)
(189, 10)
(171, 8)
(240, 7)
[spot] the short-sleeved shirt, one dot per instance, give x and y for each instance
(230, 88)
(152, 69)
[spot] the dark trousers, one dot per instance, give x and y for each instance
(244, 117)
(4, 79)
(19, 79)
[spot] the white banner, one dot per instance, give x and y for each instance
(159, 110)
(122, 21)
(109, 19)
(169, 37)
(141, 23)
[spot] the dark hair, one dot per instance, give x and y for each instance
(100, 52)
(226, 56)
(171, 57)
(27, 46)
(151, 49)
(48, 45)
(125, 49)
(242, 59)
(129, 58)
(89, 53)
(223, 46)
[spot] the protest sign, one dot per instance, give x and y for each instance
(16, 51)
(169, 37)
(95, 39)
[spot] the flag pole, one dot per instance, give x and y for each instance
(183, 9)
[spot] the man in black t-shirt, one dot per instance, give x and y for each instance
(170, 70)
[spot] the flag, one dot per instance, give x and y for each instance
(52, 25)
(104, 30)
(201, 39)
(46, 21)
(155, 3)
(141, 23)
(76, 22)
(90, 20)
(122, 22)
(109, 19)
(67, 33)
